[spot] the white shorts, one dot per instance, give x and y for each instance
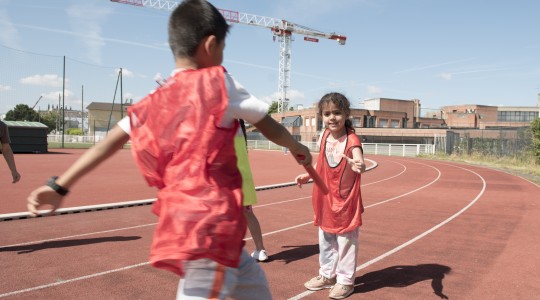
(206, 279)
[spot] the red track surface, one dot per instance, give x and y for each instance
(431, 230)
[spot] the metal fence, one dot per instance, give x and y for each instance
(499, 143)
(508, 142)
(369, 148)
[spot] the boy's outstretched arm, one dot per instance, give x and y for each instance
(45, 195)
(278, 134)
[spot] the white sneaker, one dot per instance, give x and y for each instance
(259, 255)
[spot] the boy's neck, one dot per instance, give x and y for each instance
(184, 63)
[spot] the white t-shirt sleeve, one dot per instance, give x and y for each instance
(125, 124)
(242, 105)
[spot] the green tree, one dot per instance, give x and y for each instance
(273, 108)
(535, 129)
(50, 118)
(22, 112)
(74, 131)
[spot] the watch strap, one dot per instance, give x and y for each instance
(57, 188)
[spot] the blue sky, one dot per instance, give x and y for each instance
(443, 52)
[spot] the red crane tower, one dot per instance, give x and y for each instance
(281, 29)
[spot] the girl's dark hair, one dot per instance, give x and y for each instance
(341, 102)
(190, 23)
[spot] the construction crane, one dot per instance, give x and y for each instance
(37, 101)
(281, 29)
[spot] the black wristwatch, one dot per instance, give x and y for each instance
(57, 188)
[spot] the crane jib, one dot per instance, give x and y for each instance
(281, 29)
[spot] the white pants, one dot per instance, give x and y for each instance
(337, 256)
(206, 279)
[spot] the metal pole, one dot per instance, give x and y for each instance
(121, 97)
(63, 98)
(82, 109)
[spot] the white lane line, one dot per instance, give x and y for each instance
(40, 287)
(413, 191)
(418, 237)
(388, 178)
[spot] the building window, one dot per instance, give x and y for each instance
(370, 121)
(383, 123)
(313, 121)
(516, 116)
(394, 123)
(306, 122)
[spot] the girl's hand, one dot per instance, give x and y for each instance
(302, 179)
(357, 165)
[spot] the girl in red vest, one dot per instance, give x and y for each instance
(339, 213)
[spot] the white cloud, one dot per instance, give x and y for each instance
(4, 88)
(83, 35)
(86, 19)
(295, 97)
(57, 95)
(125, 73)
(426, 67)
(371, 89)
(130, 96)
(51, 80)
(9, 35)
(449, 76)
(446, 76)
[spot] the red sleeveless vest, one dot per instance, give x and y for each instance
(341, 210)
(180, 148)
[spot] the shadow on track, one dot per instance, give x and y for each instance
(295, 253)
(402, 276)
(23, 249)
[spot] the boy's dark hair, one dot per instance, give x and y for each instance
(341, 102)
(190, 23)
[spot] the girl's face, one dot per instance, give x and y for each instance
(334, 119)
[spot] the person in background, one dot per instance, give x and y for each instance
(249, 193)
(7, 152)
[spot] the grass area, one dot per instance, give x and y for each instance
(522, 165)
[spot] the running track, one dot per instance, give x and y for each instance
(431, 230)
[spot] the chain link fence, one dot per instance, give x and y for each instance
(498, 143)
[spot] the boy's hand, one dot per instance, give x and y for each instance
(357, 165)
(301, 154)
(302, 179)
(43, 196)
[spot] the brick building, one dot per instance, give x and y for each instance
(382, 113)
(474, 116)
